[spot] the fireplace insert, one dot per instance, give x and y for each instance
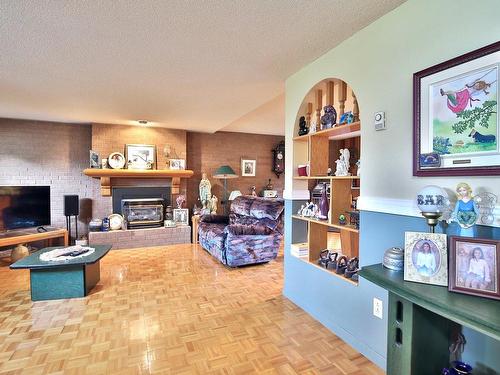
(143, 212)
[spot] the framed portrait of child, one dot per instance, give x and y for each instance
(426, 258)
(474, 266)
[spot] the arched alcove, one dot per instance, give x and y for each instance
(323, 149)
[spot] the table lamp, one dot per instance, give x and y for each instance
(224, 173)
(431, 201)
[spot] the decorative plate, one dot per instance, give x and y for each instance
(115, 221)
(116, 160)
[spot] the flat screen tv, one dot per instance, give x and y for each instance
(24, 207)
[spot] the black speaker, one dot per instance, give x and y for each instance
(71, 205)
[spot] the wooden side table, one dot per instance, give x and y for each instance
(195, 220)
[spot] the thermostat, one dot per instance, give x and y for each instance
(380, 121)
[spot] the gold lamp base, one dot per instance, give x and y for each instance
(432, 219)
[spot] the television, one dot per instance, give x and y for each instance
(24, 207)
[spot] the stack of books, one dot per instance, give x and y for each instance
(300, 250)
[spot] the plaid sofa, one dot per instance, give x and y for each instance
(251, 233)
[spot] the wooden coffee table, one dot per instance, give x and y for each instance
(62, 279)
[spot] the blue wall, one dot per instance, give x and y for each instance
(347, 309)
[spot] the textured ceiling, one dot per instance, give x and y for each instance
(197, 65)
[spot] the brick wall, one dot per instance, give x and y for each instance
(46, 153)
(113, 138)
(207, 152)
(55, 154)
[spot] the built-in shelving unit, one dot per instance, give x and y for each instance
(320, 149)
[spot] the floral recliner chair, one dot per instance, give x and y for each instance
(251, 233)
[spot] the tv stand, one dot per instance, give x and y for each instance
(22, 236)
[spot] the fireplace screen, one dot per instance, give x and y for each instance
(143, 213)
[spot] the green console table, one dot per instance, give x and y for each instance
(422, 319)
(62, 279)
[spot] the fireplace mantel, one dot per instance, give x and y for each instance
(106, 176)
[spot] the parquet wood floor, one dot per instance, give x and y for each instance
(169, 310)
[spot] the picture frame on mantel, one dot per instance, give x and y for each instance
(455, 115)
(140, 156)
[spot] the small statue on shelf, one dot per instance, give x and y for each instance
(312, 127)
(213, 204)
(303, 126)
(342, 219)
(466, 211)
(346, 118)
(253, 191)
(343, 163)
(205, 189)
(329, 119)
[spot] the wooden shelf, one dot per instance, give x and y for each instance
(326, 177)
(311, 263)
(107, 174)
(336, 133)
(138, 173)
(346, 227)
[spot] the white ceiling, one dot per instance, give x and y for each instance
(195, 65)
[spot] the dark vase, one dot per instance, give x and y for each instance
(324, 207)
(169, 213)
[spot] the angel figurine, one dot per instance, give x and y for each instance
(466, 212)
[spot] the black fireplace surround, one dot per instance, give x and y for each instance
(132, 196)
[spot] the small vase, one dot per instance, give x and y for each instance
(324, 207)
(394, 258)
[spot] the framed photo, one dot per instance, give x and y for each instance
(455, 115)
(94, 159)
(426, 258)
(181, 216)
(177, 164)
(140, 156)
(248, 167)
(474, 266)
(116, 160)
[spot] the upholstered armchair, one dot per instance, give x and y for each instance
(251, 233)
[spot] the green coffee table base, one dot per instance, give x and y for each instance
(62, 279)
(63, 282)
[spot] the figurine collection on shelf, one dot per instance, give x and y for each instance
(327, 120)
(340, 264)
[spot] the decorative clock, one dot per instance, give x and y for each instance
(279, 159)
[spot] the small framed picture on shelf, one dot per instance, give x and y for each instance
(426, 259)
(140, 156)
(178, 164)
(181, 216)
(474, 266)
(94, 159)
(248, 167)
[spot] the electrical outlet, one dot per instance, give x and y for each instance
(377, 308)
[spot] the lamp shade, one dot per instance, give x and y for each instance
(432, 199)
(234, 194)
(224, 172)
